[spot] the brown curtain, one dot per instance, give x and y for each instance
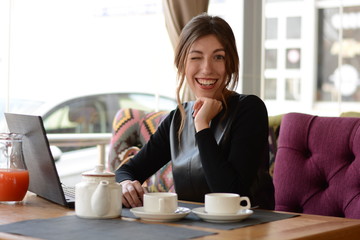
(177, 14)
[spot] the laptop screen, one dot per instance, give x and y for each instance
(44, 178)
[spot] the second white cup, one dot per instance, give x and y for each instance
(225, 203)
(160, 202)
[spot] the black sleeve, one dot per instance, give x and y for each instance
(152, 156)
(233, 168)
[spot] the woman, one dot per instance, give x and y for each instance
(217, 143)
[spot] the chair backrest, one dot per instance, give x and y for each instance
(125, 134)
(133, 128)
(317, 167)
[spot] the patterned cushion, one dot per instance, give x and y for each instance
(126, 126)
(132, 127)
(272, 150)
(149, 124)
(350, 114)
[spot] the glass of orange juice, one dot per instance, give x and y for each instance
(14, 177)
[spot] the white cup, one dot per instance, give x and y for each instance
(160, 202)
(225, 203)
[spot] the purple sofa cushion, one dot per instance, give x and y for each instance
(317, 167)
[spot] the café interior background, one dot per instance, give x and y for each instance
(297, 55)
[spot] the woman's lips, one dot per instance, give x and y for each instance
(206, 82)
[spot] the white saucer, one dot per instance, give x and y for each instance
(242, 214)
(160, 217)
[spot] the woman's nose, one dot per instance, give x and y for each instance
(206, 66)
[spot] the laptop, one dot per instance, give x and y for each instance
(44, 178)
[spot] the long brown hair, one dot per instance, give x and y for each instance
(199, 26)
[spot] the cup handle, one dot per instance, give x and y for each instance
(248, 205)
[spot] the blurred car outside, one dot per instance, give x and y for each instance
(83, 114)
(86, 114)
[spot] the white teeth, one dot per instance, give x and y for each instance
(206, 82)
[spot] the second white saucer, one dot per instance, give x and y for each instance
(200, 212)
(180, 213)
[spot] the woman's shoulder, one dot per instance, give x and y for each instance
(236, 98)
(246, 104)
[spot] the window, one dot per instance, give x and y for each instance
(271, 58)
(271, 28)
(293, 27)
(293, 58)
(66, 48)
(339, 54)
(292, 89)
(283, 48)
(270, 86)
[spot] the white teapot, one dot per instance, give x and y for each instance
(98, 195)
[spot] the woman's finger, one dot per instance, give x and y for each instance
(131, 196)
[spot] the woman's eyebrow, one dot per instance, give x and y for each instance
(215, 51)
(219, 50)
(195, 51)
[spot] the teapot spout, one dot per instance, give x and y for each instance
(100, 200)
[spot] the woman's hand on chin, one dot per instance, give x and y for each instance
(205, 109)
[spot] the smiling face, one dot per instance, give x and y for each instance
(205, 67)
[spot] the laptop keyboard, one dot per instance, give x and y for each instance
(69, 191)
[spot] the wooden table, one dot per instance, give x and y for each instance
(302, 227)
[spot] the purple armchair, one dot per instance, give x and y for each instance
(317, 167)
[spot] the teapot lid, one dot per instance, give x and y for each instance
(98, 171)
